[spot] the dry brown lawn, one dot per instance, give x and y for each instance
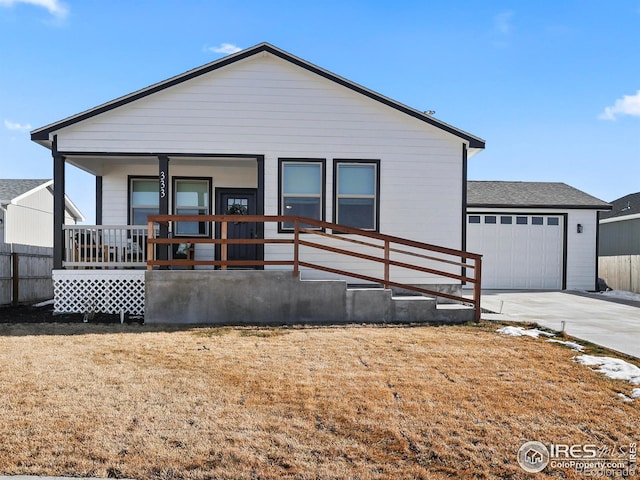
(354, 402)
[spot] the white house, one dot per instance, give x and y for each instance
(26, 212)
(534, 235)
(264, 132)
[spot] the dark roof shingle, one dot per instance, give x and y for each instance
(627, 205)
(530, 195)
(13, 187)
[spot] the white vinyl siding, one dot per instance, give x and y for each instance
(29, 220)
(581, 254)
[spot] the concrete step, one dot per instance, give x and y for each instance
(413, 309)
(371, 305)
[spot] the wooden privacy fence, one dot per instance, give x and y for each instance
(391, 254)
(621, 272)
(25, 273)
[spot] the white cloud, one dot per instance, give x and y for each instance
(502, 28)
(502, 23)
(225, 48)
(627, 105)
(9, 125)
(55, 7)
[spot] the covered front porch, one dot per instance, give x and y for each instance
(129, 187)
(355, 274)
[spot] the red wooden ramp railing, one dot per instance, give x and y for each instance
(347, 250)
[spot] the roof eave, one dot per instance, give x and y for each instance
(539, 206)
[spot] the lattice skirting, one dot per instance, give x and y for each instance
(101, 291)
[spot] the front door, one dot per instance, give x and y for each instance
(238, 201)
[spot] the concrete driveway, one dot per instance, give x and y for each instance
(611, 323)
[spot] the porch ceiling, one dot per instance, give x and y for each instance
(94, 164)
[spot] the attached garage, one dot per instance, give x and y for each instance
(533, 235)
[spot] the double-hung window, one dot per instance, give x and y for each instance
(301, 189)
(357, 193)
(191, 196)
(144, 199)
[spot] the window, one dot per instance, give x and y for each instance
(356, 193)
(474, 218)
(191, 196)
(489, 219)
(553, 221)
(301, 189)
(522, 220)
(506, 220)
(144, 199)
(537, 221)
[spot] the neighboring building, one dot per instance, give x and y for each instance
(271, 134)
(26, 212)
(619, 247)
(534, 235)
(620, 227)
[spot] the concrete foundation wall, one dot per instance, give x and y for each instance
(241, 297)
(237, 297)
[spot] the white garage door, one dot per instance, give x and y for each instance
(519, 251)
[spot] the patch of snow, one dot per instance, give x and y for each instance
(621, 294)
(45, 303)
(635, 393)
(521, 332)
(572, 345)
(624, 397)
(613, 368)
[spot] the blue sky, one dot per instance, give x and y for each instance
(552, 86)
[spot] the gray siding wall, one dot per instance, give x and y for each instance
(620, 238)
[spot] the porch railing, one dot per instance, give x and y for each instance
(108, 246)
(349, 249)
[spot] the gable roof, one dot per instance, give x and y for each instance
(624, 206)
(41, 135)
(499, 194)
(12, 188)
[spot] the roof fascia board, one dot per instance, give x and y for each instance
(73, 210)
(69, 206)
(529, 206)
(42, 134)
(620, 218)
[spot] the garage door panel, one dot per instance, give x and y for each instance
(519, 255)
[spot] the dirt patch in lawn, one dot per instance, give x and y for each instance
(344, 402)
